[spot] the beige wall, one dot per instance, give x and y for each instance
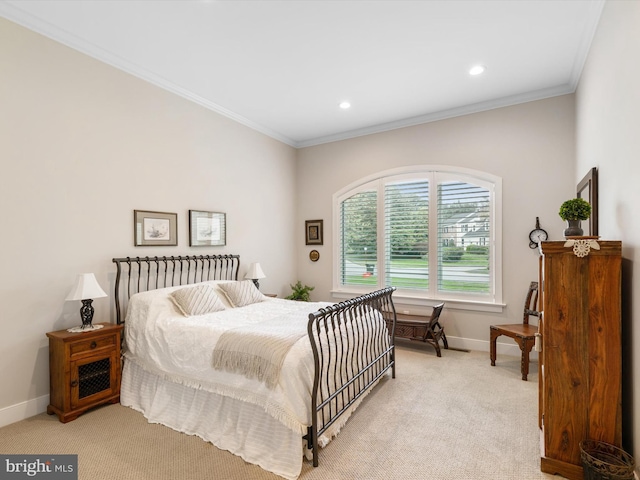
(530, 146)
(81, 146)
(608, 137)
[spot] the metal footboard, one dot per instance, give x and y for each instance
(352, 343)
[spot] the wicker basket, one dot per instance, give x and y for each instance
(602, 461)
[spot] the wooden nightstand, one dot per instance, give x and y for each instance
(84, 370)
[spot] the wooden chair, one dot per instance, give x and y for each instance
(423, 329)
(522, 333)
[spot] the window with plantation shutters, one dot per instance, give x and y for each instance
(406, 211)
(431, 233)
(463, 237)
(358, 242)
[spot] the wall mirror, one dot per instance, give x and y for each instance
(588, 190)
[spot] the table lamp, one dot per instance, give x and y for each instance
(86, 289)
(255, 273)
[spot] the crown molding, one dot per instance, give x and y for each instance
(443, 115)
(19, 16)
(16, 15)
(595, 12)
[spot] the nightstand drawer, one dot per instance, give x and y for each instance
(92, 344)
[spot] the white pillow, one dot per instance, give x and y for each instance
(197, 300)
(242, 293)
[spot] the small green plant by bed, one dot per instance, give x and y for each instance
(300, 292)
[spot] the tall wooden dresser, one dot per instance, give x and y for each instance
(581, 359)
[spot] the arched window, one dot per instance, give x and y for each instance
(433, 232)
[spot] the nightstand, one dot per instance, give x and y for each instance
(84, 370)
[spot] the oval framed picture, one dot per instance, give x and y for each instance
(314, 255)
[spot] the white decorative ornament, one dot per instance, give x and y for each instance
(582, 247)
(80, 329)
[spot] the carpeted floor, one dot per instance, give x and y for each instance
(448, 418)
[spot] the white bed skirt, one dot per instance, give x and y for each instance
(241, 428)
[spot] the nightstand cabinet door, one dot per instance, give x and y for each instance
(84, 370)
(93, 379)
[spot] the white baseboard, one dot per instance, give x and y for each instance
(20, 411)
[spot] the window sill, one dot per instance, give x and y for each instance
(403, 299)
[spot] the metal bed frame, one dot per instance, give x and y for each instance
(344, 370)
(151, 273)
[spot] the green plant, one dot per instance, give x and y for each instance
(300, 292)
(575, 209)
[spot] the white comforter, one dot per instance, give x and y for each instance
(164, 342)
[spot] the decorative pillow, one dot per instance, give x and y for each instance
(197, 300)
(241, 293)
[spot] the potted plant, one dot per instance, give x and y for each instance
(573, 212)
(300, 292)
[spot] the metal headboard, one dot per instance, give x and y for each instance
(150, 273)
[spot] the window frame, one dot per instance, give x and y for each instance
(435, 173)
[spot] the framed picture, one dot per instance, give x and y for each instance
(155, 228)
(207, 228)
(588, 190)
(313, 232)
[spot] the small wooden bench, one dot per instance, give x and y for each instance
(422, 328)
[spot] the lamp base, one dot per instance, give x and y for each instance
(83, 328)
(86, 314)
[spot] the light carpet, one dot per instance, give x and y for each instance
(448, 418)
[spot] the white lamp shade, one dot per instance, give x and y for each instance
(86, 287)
(255, 272)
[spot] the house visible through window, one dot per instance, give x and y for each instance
(431, 233)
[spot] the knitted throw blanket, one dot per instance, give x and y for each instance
(258, 351)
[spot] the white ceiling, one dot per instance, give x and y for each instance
(282, 67)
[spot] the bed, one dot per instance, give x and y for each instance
(188, 370)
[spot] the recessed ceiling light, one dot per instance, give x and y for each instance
(345, 105)
(477, 70)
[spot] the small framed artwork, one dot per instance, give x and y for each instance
(313, 232)
(155, 228)
(314, 255)
(588, 190)
(207, 228)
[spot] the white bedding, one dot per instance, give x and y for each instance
(241, 428)
(163, 341)
(168, 376)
